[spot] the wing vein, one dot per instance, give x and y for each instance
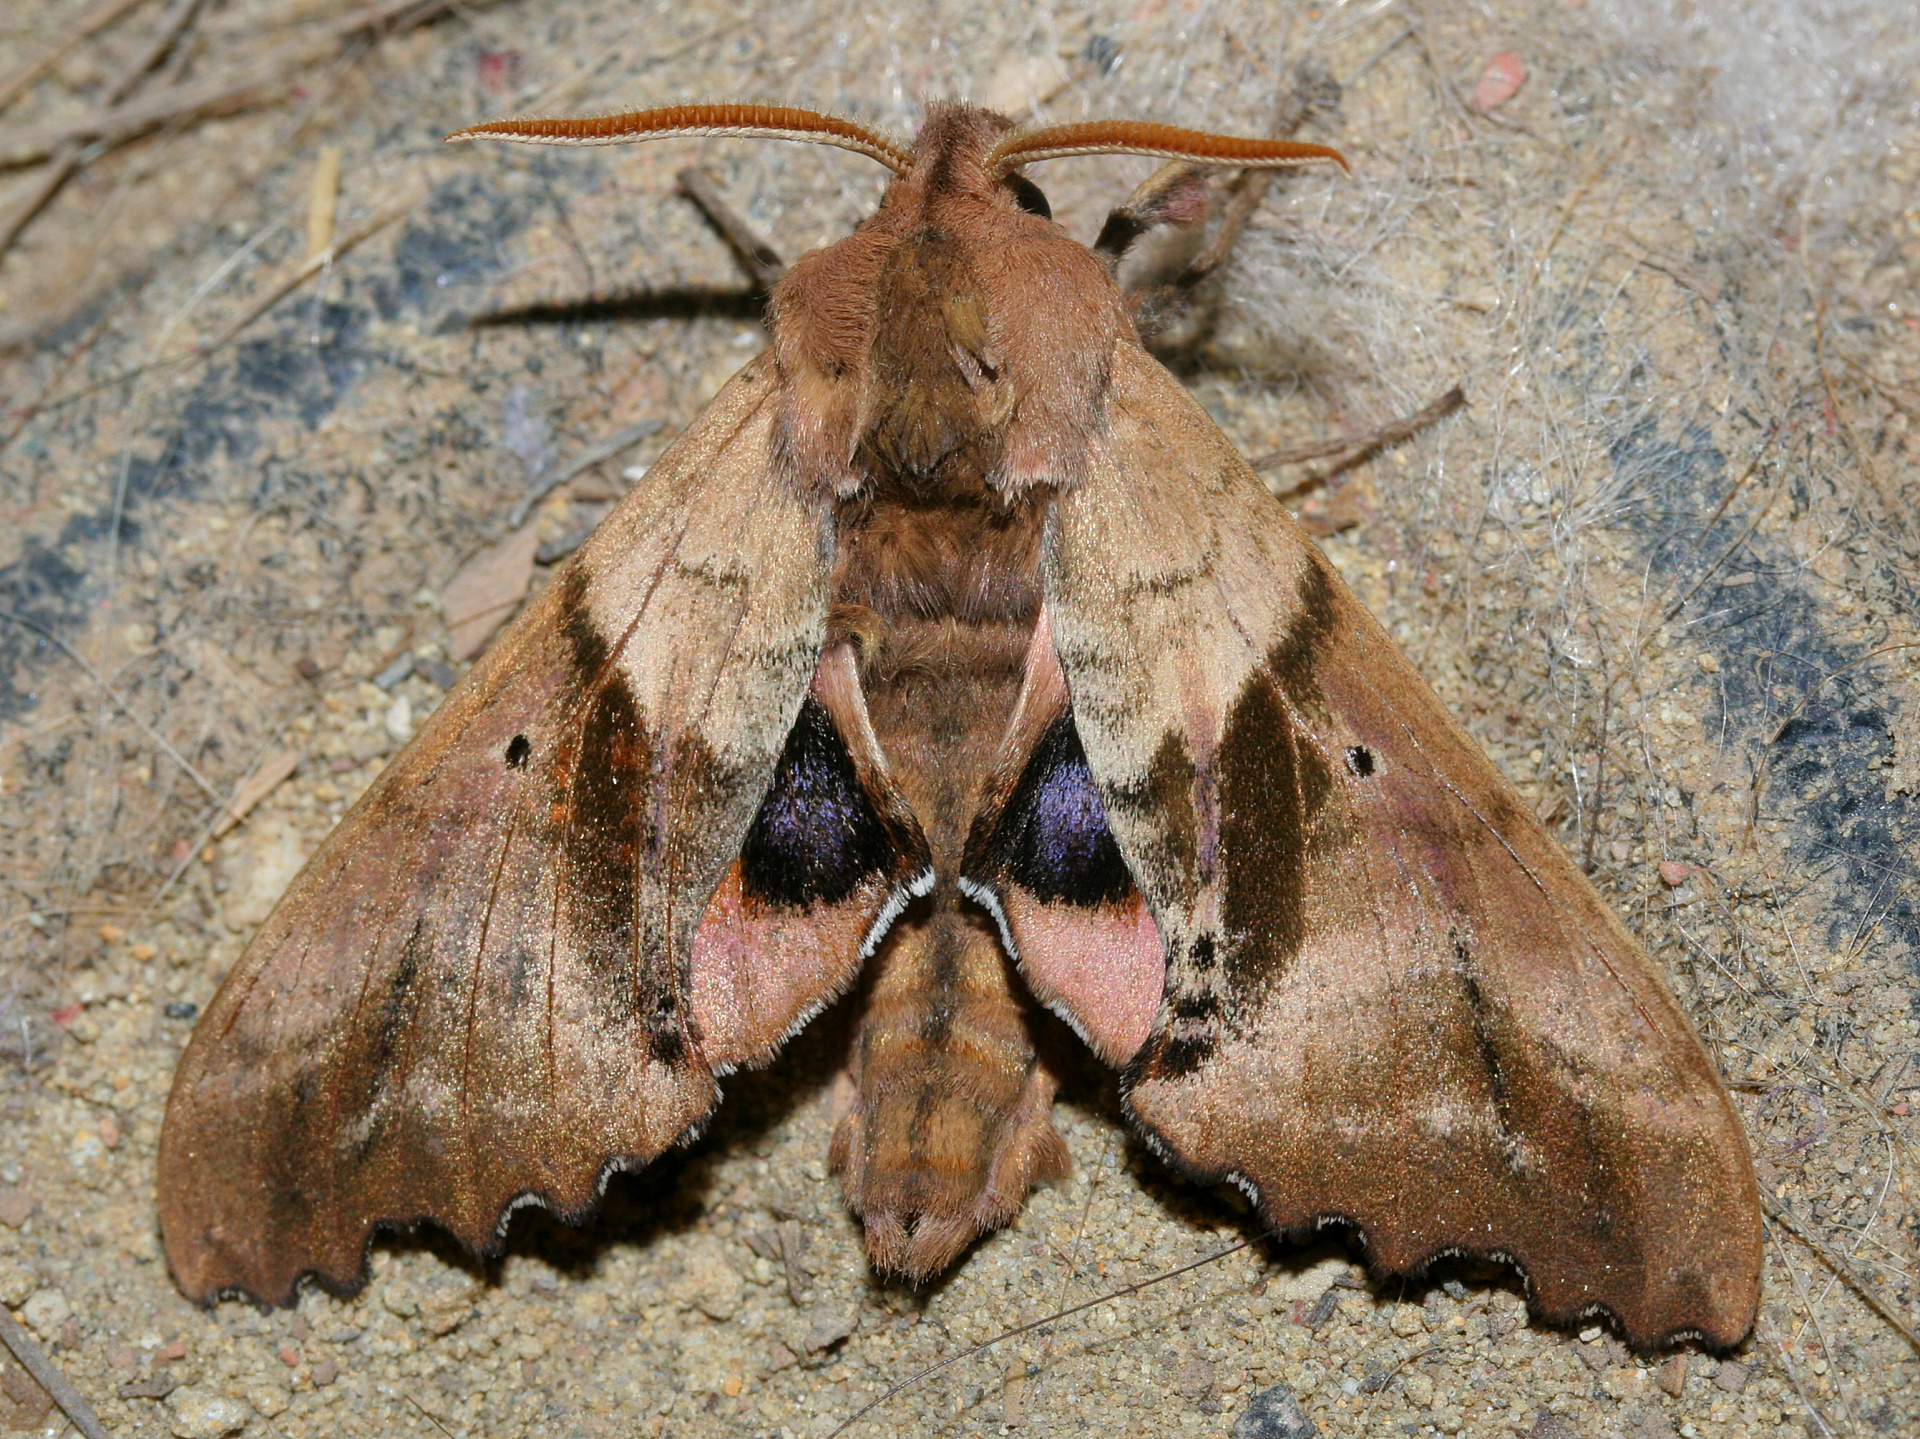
(479, 955)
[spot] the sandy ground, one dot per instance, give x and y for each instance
(1664, 566)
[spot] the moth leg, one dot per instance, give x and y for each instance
(1175, 194)
(756, 256)
(1160, 302)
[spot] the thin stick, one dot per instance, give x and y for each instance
(74, 153)
(1835, 1261)
(96, 19)
(51, 1379)
(760, 260)
(1385, 436)
(593, 454)
(986, 1344)
(1747, 534)
(29, 143)
(301, 273)
(108, 690)
(429, 1418)
(308, 268)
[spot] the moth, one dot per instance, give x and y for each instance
(954, 654)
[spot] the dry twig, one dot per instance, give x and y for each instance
(226, 89)
(760, 260)
(1364, 446)
(72, 154)
(94, 21)
(50, 1379)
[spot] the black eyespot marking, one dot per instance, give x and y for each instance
(518, 748)
(1360, 760)
(1029, 197)
(817, 837)
(1052, 838)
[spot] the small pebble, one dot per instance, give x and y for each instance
(394, 673)
(829, 1325)
(1674, 873)
(399, 718)
(1673, 1374)
(200, 1415)
(1274, 1414)
(45, 1311)
(16, 1206)
(1732, 1377)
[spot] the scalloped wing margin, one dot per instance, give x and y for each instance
(485, 989)
(1391, 1000)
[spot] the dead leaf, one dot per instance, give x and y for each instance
(484, 594)
(266, 777)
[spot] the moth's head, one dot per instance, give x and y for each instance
(955, 339)
(961, 149)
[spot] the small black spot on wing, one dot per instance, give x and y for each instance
(518, 748)
(668, 1047)
(1360, 761)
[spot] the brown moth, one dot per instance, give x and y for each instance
(954, 651)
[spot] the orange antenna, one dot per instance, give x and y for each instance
(762, 122)
(1142, 137)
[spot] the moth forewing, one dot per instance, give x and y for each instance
(1391, 998)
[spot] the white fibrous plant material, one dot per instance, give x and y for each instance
(1783, 109)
